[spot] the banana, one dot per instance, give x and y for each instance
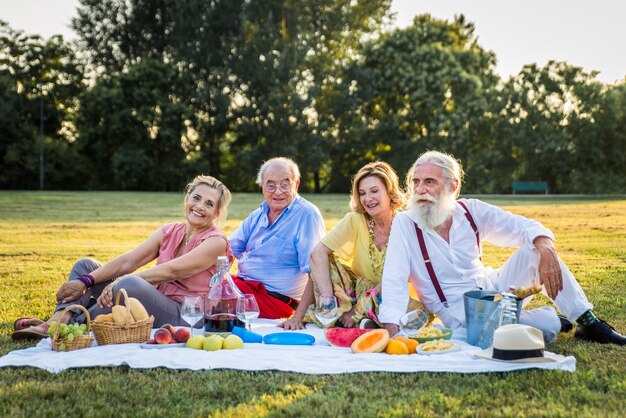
(137, 310)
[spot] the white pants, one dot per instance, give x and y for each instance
(521, 269)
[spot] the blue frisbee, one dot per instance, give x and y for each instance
(289, 338)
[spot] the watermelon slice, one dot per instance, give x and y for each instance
(343, 337)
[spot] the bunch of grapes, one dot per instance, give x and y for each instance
(67, 332)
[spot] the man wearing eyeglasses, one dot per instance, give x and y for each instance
(273, 244)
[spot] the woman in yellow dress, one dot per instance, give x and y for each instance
(359, 239)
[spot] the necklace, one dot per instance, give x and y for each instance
(186, 240)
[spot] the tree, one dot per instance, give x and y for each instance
(559, 128)
(261, 73)
(290, 67)
(34, 70)
(131, 128)
(416, 88)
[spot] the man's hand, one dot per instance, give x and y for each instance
(550, 275)
(392, 328)
(70, 291)
(294, 323)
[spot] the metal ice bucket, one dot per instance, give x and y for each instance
(478, 306)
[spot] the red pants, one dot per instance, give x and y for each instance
(269, 306)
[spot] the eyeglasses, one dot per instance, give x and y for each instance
(284, 186)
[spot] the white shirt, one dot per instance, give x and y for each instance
(457, 264)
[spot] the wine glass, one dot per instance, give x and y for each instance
(326, 309)
(247, 309)
(411, 322)
(192, 311)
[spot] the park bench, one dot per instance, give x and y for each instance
(530, 186)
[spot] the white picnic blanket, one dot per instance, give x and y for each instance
(319, 358)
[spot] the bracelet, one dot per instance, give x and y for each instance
(87, 280)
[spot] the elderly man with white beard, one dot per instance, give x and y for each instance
(436, 243)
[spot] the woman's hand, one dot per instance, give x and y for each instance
(346, 319)
(70, 291)
(105, 299)
(294, 323)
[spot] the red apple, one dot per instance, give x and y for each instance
(170, 328)
(151, 341)
(162, 336)
(182, 335)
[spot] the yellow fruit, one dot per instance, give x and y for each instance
(374, 341)
(121, 316)
(396, 347)
(197, 342)
(233, 342)
(213, 343)
(410, 344)
(104, 318)
(137, 310)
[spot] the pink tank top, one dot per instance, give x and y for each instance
(198, 284)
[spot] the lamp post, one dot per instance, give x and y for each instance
(42, 150)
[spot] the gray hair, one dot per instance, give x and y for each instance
(451, 166)
(291, 165)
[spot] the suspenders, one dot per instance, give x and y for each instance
(428, 263)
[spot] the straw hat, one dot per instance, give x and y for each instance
(518, 343)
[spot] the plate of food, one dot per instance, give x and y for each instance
(439, 346)
(426, 334)
(157, 346)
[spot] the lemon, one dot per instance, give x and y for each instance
(233, 342)
(197, 341)
(212, 343)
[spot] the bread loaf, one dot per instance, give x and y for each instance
(137, 310)
(121, 316)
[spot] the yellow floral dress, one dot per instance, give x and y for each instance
(354, 284)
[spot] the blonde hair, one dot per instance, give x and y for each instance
(453, 170)
(387, 175)
(224, 198)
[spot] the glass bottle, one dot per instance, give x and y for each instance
(508, 313)
(504, 313)
(221, 304)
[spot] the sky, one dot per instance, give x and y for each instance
(584, 33)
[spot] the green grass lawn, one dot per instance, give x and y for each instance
(43, 233)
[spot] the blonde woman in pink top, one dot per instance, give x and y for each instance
(186, 254)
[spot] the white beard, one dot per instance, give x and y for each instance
(433, 214)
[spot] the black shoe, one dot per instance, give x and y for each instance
(566, 326)
(599, 332)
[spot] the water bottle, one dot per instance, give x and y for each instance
(504, 313)
(508, 313)
(221, 304)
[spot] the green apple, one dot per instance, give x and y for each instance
(233, 342)
(197, 341)
(213, 343)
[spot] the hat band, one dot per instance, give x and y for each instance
(516, 354)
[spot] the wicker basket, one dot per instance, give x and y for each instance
(80, 341)
(112, 333)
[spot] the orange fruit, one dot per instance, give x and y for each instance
(410, 344)
(396, 347)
